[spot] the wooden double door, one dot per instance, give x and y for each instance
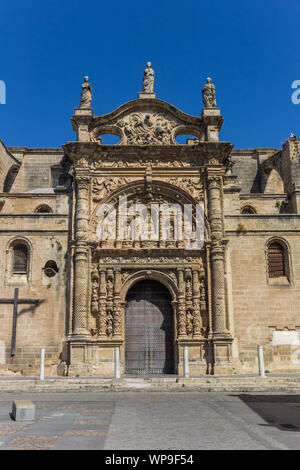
(149, 330)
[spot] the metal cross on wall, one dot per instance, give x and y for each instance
(16, 301)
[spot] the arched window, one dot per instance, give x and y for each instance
(277, 263)
(248, 210)
(43, 209)
(20, 259)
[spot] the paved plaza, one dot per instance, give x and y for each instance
(153, 420)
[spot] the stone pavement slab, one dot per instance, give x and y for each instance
(154, 421)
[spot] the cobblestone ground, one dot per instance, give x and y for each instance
(157, 421)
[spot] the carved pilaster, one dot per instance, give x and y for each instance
(102, 304)
(189, 302)
(95, 291)
(117, 305)
(181, 314)
(110, 303)
(196, 305)
(217, 255)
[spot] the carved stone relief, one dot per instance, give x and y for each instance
(147, 128)
(192, 185)
(103, 186)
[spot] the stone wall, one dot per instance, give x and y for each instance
(260, 305)
(46, 324)
(35, 171)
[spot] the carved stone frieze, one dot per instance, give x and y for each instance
(144, 161)
(170, 260)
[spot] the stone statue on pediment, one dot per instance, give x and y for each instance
(148, 79)
(86, 94)
(209, 94)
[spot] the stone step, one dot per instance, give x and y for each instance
(64, 384)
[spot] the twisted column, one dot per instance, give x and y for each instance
(217, 256)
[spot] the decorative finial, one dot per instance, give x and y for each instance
(209, 94)
(86, 93)
(148, 79)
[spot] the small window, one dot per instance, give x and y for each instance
(43, 209)
(248, 210)
(50, 268)
(276, 260)
(20, 259)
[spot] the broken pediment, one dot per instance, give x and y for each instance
(140, 122)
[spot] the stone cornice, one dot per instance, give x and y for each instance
(219, 150)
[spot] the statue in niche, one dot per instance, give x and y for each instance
(86, 94)
(148, 79)
(209, 94)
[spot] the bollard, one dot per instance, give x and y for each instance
(42, 365)
(186, 369)
(23, 410)
(261, 366)
(117, 363)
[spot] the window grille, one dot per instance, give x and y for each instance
(276, 260)
(20, 259)
(248, 210)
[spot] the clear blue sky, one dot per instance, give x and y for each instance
(249, 48)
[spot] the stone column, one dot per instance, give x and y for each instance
(117, 305)
(217, 256)
(80, 292)
(102, 304)
(196, 305)
(181, 320)
(81, 275)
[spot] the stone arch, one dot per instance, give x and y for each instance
(152, 274)
(136, 188)
(10, 178)
(149, 302)
(272, 182)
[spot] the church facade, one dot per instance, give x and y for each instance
(149, 245)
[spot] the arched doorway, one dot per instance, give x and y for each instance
(149, 331)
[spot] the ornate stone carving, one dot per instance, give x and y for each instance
(192, 185)
(102, 186)
(95, 286)
(82, 181)
(81, 162)
(146, 128)
(148, 79)
(144, 161)
(209, 94)
(86, 94)
(109, 322)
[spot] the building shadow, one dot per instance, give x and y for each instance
(279, 411)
